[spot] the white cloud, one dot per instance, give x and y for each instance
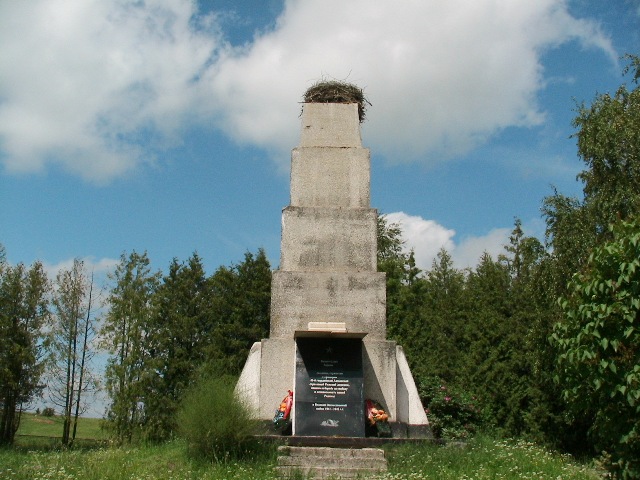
(468, 252)
(426, 238)
(93, 85)
(442, 76)
(100, 268)
(98, 87)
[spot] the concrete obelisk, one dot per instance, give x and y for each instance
(327, 294)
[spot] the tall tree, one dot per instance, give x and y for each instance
(494, 342)
(403, 281)
(71, 336)
(583, 241)
(505, 334)
(125, 334)
(444, 320)
(241, 307)
(178, 337)
(608, 139)
(23, 309)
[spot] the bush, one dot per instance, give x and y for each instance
(215, 424)
(453, 413)
(599, 344)
(48, 412)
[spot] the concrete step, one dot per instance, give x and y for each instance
(325, 473)
(328, 462)
(366, 464)
(330, 452)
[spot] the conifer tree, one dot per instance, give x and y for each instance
(180, 330)
(23, 310)
(241, 307)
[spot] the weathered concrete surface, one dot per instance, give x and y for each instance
(380, 373)
(357, 299)
(330, 177)
(410, 409)
(277, 373)
(330, 125)
(321, 239)
(248, 386)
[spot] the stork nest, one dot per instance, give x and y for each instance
(337, 92)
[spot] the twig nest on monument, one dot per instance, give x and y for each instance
(337, 92)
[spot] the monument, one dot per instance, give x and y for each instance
(327, 339)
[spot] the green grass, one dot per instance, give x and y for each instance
(482, 458)
(48, 429)
(168, 462)
(485, 458)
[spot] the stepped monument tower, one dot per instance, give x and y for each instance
(327, 341)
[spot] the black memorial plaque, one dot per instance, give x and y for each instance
(329, 391)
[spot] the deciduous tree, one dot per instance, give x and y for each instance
(608, 139)
(599, 344)
(70, 348)
(125, 333)
(581, 240)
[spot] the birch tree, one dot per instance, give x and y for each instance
(72, 335)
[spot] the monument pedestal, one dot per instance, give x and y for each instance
(270, 371)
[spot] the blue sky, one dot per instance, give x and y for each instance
(167, 126)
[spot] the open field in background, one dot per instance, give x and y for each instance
(38, 430)
(482, 458)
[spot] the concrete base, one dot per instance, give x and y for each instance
(401, 430)
(345, 442)
(270, 371)
(248, 386)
